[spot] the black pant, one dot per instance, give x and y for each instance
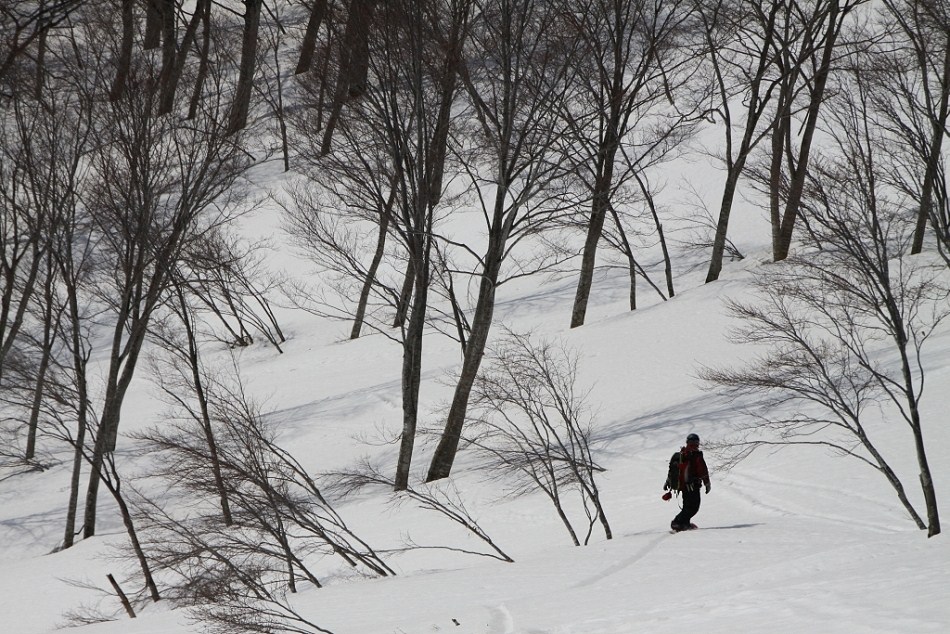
(691, 502)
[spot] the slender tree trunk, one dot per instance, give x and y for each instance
(384, 219)
(50, 326)
(204, 62)
(40, 76)
(195, 363)
(134, 539)
(353, 66)
(722, 227)
(600, 201)
(405, 295)
(933, 159)
(242, 96)
(444, 456)
(412, 370)
(800, 172)
(116, 387)
(75, 479)
(170, 83)
(318, 12)
(169, 52)
(79, 368)
(124, 63)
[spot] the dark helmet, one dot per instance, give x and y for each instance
(692, 438)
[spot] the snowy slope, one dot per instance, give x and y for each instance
(798, 541)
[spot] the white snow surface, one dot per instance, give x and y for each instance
(795, 541)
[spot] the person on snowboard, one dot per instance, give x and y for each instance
(687, 472)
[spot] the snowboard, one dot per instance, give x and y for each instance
(692, 527)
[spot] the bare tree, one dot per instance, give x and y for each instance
(161, 185)
(516, 79)
(529, 425)
(635, 66)
(236, 576)
(828, 315)
(391, 159)
(913, 66)
(807, 42)
(738, 40)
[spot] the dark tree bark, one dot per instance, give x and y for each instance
(829, 18)
(353, 63)
(153, 24)
(757, 34)
(171, 80)
(124, 62)
(204, 61)
(248, 64)
(384, 218)
(318, 13)
(630, 44)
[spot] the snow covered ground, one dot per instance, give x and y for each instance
(796, 541)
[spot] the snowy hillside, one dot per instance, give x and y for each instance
(452, 165)
(795, 541)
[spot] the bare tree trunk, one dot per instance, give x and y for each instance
(50, 327)
(353, 66)
(153, 24)
(242, 96)
(667, 260)
(933, 159)
(800, 171)
(125, 51)
(722, 226)
(384, 219)
(201, 396)
(412, 371)
(79, 368)
(170, 82)
(405, 295)
(115, 487)
(444, 456)
(595, 227)
(318, 12)
(40, 77)
(169, 49)
(204, 62)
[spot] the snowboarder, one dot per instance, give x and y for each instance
(687, 472)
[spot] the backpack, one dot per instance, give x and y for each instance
(673, 474)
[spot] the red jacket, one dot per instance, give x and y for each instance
(693, 469)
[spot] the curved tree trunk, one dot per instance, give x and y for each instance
(384, 219)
